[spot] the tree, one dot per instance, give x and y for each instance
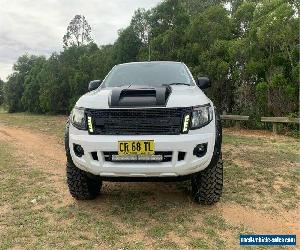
(78, 32)
(33, 80)
(14, 87)
(170, 14)
(141, 25)
(195, 7)
(127, 46)
(209, 53)
(273, 56)
(243, 18)
(168, 21)
(54, 88)
(245, 98)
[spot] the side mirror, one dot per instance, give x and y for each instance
(94, 85)
(203, 82)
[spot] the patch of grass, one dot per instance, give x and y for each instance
(199, 243)
(181, 230)
(127, 206)
(102, 229)
(168, 245)
(107, 232)
(28, 218)
(276, 157)
(216, 221)
(257, 186)
(136, 246)
(235, 190)
(210, 232)
(251, 171)
(21, 194)
(158, 231)
(242, 140)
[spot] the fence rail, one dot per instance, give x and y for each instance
(235, 117)
(273, 120)
(276, 120)
(280, 119)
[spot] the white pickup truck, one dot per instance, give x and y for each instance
(146, 121)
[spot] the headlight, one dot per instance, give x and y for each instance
(201, 116)
(78, 118)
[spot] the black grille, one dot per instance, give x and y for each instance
(158, 121)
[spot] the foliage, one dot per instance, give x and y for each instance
(14, 88)
(250, 49)
(127, 46)
(32, 82)
(78, 32)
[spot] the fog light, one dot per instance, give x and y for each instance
(78, 150)
(200, 150)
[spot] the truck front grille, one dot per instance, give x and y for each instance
(152, 121)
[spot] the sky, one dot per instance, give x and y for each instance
(37, 26)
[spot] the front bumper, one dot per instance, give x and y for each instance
(174, 143)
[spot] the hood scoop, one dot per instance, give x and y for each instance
(137, 96)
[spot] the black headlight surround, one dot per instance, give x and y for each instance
(76, 125)
(210, 118)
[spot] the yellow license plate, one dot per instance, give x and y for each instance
(136, 147)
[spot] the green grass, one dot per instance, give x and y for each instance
(260, 172)
(199, 244)
(18, 189)
(242, 140)
(216, 222)
(30, 217)
(136, 246)
(168, 245)
(261, 163)
(158, 231)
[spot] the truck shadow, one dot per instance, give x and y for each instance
(137, 201)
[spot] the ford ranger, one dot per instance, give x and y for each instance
(146, 121)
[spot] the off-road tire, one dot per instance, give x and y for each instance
(82, 185)
(207, 185)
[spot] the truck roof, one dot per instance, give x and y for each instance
(151, 62)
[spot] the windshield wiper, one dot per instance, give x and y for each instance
(177, 83)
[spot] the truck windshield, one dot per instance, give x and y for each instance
(148, 74)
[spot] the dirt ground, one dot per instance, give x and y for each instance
(43, 152)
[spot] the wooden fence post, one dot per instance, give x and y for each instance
(274, 127)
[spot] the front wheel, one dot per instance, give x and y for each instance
(207, 185)
(82, 185)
